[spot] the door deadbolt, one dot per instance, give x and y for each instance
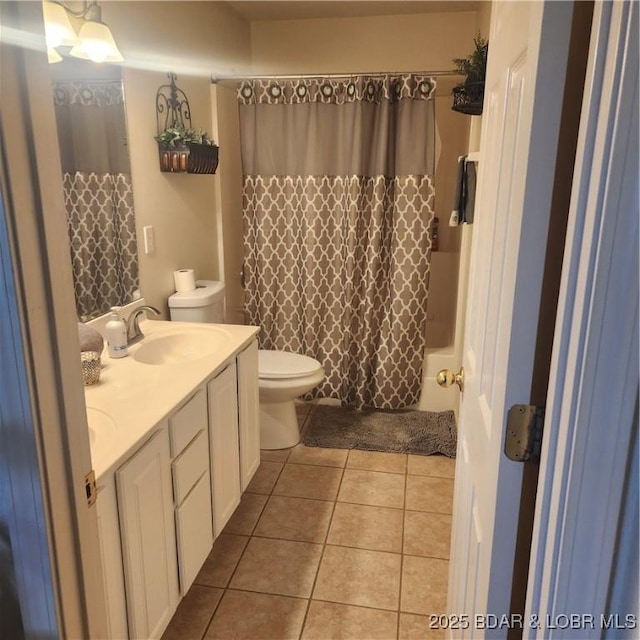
(446, 378)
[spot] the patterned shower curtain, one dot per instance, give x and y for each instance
(338, 204)
(97, 192)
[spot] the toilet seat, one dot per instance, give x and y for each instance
(277, 365)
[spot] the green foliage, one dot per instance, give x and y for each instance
(178, 136)
(474, 67)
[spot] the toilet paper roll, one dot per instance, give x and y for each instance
(185, 280)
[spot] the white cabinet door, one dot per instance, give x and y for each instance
(249, 424)
(148, 538)
(224, 446)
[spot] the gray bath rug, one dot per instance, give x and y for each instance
(401, 431)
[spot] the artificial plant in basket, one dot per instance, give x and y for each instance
(468, 96)
(187, 150)
(176, 136)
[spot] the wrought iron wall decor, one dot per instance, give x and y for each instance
(181, 149)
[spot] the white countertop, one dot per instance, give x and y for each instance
(132, 397)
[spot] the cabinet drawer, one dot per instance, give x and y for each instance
(185, 423)
(189, 466)
(194, 532)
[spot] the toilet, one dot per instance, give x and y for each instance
(282, 375)
(204, 304)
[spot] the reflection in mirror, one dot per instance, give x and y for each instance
(98, 196)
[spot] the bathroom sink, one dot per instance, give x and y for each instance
(175, 348)
(98, 422)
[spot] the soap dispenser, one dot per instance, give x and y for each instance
(116, 333)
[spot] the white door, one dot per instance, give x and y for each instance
(528, 46)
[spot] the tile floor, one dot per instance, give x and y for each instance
(328, 544)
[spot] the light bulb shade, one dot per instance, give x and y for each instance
(57, 26)
(53, 56)
(96, 43)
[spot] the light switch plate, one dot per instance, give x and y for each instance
(149, 241)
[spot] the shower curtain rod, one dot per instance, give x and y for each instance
(306, 76)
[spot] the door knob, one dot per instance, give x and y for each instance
(446, 378)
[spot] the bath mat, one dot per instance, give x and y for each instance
(401, 431)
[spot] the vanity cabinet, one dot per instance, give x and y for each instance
(161, 508)
(145, 506)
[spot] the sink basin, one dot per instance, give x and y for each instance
(98, 421)
(175, 348)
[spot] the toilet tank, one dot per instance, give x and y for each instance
(204, 304)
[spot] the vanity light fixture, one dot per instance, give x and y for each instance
(94, 41)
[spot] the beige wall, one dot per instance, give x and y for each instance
(229, 200)
(194, 40)
(421, 42)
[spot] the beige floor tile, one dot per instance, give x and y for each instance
(256, 616)
(356, 576)
(193, 614)
(345, 622)
(439, 466)
(306, 481)
(429, 494)
(414, 627)
(265, 477)
(222, 560)
(318, 455)
(424, 585)
(275, 455)
(366, 527)
(377, 461)
(295, 519)
(281, 567)
(372, 487)
(427, 534)
(246, 515)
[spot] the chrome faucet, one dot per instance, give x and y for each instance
(134, 334)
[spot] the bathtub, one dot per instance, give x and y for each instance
(445, 323)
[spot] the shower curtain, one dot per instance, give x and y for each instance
(97, 193)
(337, 205)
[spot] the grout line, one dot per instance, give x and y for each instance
(358, 606)
(213, 613)
(324, 547)
(404, 515)
(246, 546)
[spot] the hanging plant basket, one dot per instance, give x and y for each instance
(189, 158)
(468, 98)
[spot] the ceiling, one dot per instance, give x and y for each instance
(309, 9)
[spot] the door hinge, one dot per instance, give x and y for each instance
(90, 487)
(524, 433)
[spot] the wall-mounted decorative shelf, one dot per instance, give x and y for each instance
(468, 98)
(180, 148)
(192, 158)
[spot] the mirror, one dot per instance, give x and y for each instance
(98, 195)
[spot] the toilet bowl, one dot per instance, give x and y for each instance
(282, 377)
